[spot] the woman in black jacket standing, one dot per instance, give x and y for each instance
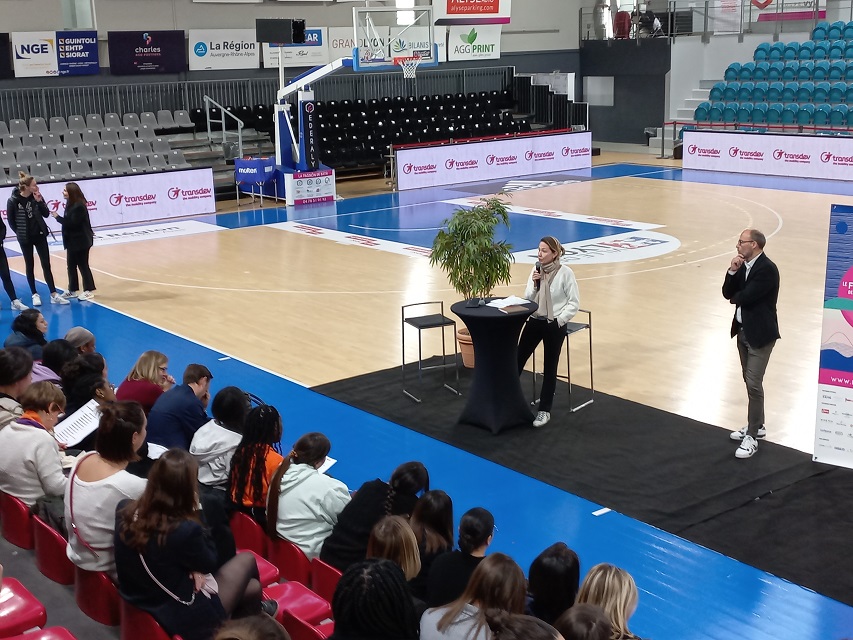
(77, 238)
(26, 211)
(6, 275)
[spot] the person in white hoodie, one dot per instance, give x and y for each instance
(214, 443)
(307, 502)
(16, 374)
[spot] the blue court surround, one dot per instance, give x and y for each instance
(686, 591)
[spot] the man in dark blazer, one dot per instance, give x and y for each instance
(752, 285)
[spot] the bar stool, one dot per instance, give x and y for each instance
(571, 328)
(421, 323)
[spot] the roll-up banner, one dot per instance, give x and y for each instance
(142, 52)
(55, 53)
(223, 49)
(314, 52)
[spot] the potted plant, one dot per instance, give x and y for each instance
(475, 263)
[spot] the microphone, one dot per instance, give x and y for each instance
(538, 270)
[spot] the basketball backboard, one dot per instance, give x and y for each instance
(384, 34)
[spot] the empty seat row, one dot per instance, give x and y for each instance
(790, 70)
(833, 93)
(79, 168)
(824, 49)
(163, 120)
(775, 113)
(834, 31)
(87, 151)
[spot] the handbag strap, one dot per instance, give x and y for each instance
(74, 528)
(163, 587)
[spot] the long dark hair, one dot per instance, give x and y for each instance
(309, 449)
(25, 323)
(553, 581)
(475, 527)
(432, 521)
(262, 430)
(170, 497)
(408, 479)
(75, 195)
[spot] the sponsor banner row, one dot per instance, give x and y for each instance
(135, 198)
(472, 162)
(55, 53)
(823, 157)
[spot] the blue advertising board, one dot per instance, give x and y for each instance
(77, 53)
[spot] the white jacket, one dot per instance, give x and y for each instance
(565, 295)
(213, 446)
(30, 466)
(308, 507)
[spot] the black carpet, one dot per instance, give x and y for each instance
(674, 473)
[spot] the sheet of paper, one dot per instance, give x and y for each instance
(155, 450)
(79, 424)
(500, 303)
(327, 464)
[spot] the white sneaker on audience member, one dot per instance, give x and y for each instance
(86, 295)
(738, 435)
(36, 300)
(55, 298)
(748, 447)
(17, 305)
(542, 418)
(69, 295)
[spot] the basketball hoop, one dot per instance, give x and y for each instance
(409, 65)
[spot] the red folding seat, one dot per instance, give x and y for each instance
(137, 624)
(51, 558)
(298, 600)
(17, 523)
(51, 633)
(97, 596)
(324, 579)
(301, 630)
(248, 534)
(19, 609)
(291, 561)
(269, 573)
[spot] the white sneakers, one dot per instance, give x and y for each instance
(748, 447)
(17, 305)
(55, 298)
(70, 295)
(36, 300)
(738, 435)
(542, 418)
(86, 295)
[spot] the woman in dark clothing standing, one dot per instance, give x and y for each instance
(77, 238)
(26, 211)
(5, 274)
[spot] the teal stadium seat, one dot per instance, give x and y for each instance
(848, 50)
(759, 113)
(848, 96)
(744, 113)
(806, 92)
(731, 91)
(848, 73)
(762, 70)
(747, 71)
(821, 50)
(762, 52)
(819, 32)
(701, 114)
(792, 50)
(774, 93)
(775, 72)
(836, 50)
(790, 71)
(805, 115)
(835, 30)
(774, 113)
(759, 93)
(745, 92)
(847, 34)
(789, 93)
(821, 70)
(821, 92)
(790, 112)
(806, 51)
(777, 50)
(806, 71)
(717, 91)
(837, 70)
(732, 72)
(837, 93)
(821, 114)
(715, 114)
(730, 112)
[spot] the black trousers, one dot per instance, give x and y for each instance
(79, 259)
(6, 276)
(551, 334)
(40, 245)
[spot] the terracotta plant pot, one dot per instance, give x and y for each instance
(466, 347)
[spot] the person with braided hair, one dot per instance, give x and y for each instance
(303, 503)
(372, 602)
(347, 543)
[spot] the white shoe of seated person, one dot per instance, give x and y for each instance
(542, 418)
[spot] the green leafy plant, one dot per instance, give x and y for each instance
(470, 37)
(467, 251)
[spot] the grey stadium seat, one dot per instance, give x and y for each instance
(121, 165)
(78, 123)
(127, 133)
(26, 156)
(105, 150)
(131, 120)
(177, 160)
(72, 139)
(182, 120)
(94, 121)
(147, 117)
(147, 133)
(58, 124)
(138, 163)
(65, 153)
(5, 178)
(45, 154)
(12, 142)
(40, 171)
(101, 167)
(161, 146)
(51, 139)
(91, 136)
(60, 170)
(165, 120)
(158, 162)
(17, 168)
(7, 159)
(80, 169)
(110, 134)
(31, 140)
(87, 151)
(111, 120)
(18, 127)
(38, 125)
(4, 130)
(124, 148)
(140, 146)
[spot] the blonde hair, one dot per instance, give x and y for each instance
(24, 180)
(39, 396)
(613, 589)
(147, 367)
(392, 538)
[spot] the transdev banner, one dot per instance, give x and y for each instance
(55, 53)
(451, 12)
(314, 52)
(474, 43)
(134, 198)
(470, 162)
(826, 157)
(223, 49)
(834, 420)
(143, 52)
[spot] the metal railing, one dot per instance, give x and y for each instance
(210, 102)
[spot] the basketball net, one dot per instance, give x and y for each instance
(409, 65)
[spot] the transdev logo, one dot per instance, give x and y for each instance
(419, 169)
(492, 159)
(200, 49)
(461, 165)
(703, 152)
(741, 154)
(117, 199)
(574, 153)
(537, 157)
(828, 157)
(796, 158)
(189, 194)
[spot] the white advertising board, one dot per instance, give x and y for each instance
(314, 52)
(133, 198)
(34, 54)
(471, 162)
(826, 157)
(310, 187)
(223, 49)
(481, 42)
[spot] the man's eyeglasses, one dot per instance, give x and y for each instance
(740, 242)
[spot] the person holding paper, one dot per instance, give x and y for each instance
(554, 288)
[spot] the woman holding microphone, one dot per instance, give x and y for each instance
(77, 238)
(554, 288)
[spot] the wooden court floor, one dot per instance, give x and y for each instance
(317, 311)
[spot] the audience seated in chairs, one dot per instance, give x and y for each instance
(83, 380)
(28, 330)
(215, 442)
(304, 504)
(347, 543)
(392, 538)
(585, 622)
(451, 571)
(373, 601)
(613, 589)
(147, 381)
(98, 482)
(55, 355)
(81, 339)
(30, 464)
(553, 581)
(179, 413)
(166, 559)
(432, 524)
(497, 583)
(255, 462)
(16, 374)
